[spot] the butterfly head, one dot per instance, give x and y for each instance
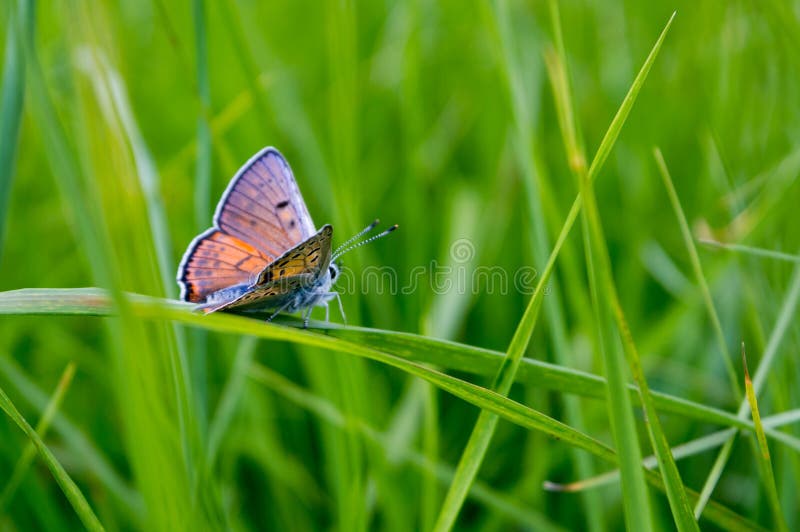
(333, 271)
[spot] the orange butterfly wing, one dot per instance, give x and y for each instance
(215, 261)
(260, 216)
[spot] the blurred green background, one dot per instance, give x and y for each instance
(439, 116)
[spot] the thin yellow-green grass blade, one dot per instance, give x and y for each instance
(698, 271)
(99, 208)
(750, 250)
(24, 462)
(635, 498)
(684, 450)
(540, 207)
(629, 448)
(68, 486)
(786, 314)
(76, 442)
(484, 428)
(58, 147)
(11, 101)
(789, 306)
(765, 463)
(111, 94)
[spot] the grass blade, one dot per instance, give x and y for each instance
(765, 463)
(155, 309)
(684, 450)
(789, 306)
(327, 411)
(68, 486)
(24, 462)
(679, 503)
(676, 494)
(623, 426)
(698, 271)
(484, 428)
(412, 347)
(202, 185)
(76, 442)
(750, 250)
(231, 394)
(11, 101)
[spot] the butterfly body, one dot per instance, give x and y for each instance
(299, 279)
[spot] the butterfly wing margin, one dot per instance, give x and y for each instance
(215, 260)
(262, 205)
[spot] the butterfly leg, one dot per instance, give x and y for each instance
(341, 307)
(306, 317)
(284, 307)
(327, 313)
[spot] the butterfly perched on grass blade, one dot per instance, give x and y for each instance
(263, 252)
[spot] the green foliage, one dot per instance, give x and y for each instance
(463, 122)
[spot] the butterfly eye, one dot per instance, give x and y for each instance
(333, 271)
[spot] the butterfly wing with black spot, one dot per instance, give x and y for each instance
(261, 215)
(295, 270)
(263, 206)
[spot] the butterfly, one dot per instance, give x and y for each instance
(263, 252)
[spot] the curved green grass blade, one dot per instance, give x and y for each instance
(765, 464)
(787, 310)
(684, 450)
(483, 431)
(24, 462)
(328, 412)
(679, 503)
(68, 486)
(476, 395)
(415, 348)
(750, 250)
(98, 208)
(675, 491)
(698, 271)
(157, 309)
(76, 442)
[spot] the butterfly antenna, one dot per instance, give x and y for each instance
(355, 237)
(340, 252)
